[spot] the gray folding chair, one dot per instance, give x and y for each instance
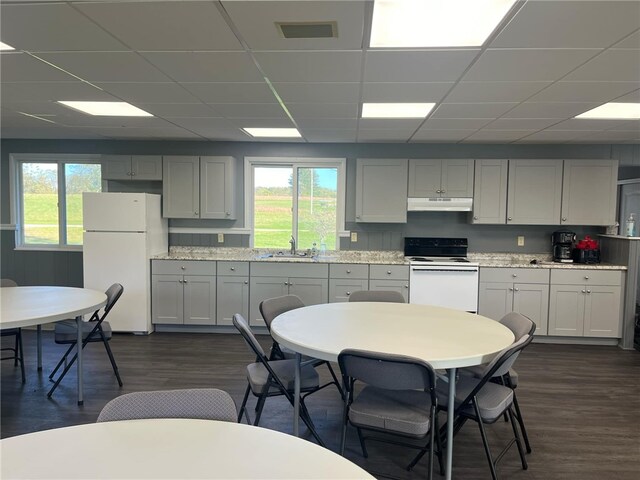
(196, 403)
(17, 354)
(389, 296)
(273, 307)
(399, 398)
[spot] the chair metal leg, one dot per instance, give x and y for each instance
(244, 404)
(518, 415)
(335, 378)
(365, 454)
(345, 415)
(111, 359)
(431, 441)
(260, 406)
(485, 442)
(62, 360)
(20, 354)
(16, 348)
(518, 442)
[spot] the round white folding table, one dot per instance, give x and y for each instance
(446, 338)
(29, 306)
(170, 448)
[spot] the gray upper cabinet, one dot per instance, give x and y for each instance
(381, 190)
(181, 187)
(440, 178)
(217, 192)
(534, 192)
(132, 167)
(589, 192)
(199, 187)
(490, 192)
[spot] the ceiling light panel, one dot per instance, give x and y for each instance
(107, 109)
(613, 110)
(4, 47)
(273, 132)
(435, 23)
(396, 110)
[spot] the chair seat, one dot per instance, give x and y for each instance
(493, 399)
(401, 411)
(476, 371)
(257, 374)
(66, 332)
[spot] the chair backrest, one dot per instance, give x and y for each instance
(252, 342)
(7, 282)
(197, 403)
(273, 307)
(389, 296)
(113, 294)
(391, 372)
(518, 324)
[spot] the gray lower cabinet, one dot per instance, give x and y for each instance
(232, 291)
(522, 290)
(585, 303)
(534, 192)
(268, 280)
(490, 192)
(344, 279)
(131, 167)
(381, 190)
(390, 277)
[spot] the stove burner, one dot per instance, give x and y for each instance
(461, 260)
(421, 259)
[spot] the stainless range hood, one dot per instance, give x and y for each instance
(436, 204)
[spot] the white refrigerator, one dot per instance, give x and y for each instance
(122, 231)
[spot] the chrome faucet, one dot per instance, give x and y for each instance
(293, 245)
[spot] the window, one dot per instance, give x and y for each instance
(303, 198)
(49, 198)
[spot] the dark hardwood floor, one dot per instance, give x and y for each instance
(581, 404)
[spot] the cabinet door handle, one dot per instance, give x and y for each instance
(195, 213)
(286, 283)
(588, 291)
(246, 282)
(475, 218)
(179, 281)
(388, 272)
(564, 219)
(348, 293)
(586, 277)
(514, 275)
(348, 271)
(183, 267)
(233, 269)
(442, 191)
(406, 286)
(184, 281)
(357, 216)
(227, 214)
(517, 289)
(584, 291)
(133, 174)
(509, 218)
(511, 289)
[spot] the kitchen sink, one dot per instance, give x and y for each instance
(286, 256)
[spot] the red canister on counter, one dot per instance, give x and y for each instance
(586, 251)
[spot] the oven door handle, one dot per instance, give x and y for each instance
(430, 269)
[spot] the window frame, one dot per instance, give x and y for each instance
(17, 198)
(295, 163)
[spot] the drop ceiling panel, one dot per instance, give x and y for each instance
(405, 92)
(472, 110)
(417, 66)
(78, 119)
(206, 66)
(236, 92)
(167, 133)
(167, 25)
(632, 41)
(610, 136)
(610, 66)
(383, 135)
(405, 124)
(330, 135)
(20, 67)
(527, 65)
(149, 92)
(553, 136)
(53, 27)
(455, 123)
(252, 110)
(48, 133)
(196, 110)
(106, 66)
(432, 136)
(520, 123)
(323, 110)
(591, 124)
(473, 92)
(334, 124)
(257, 23)
(570, 24)
(560, 110)
(318, 92)
(633, 125)
(633, 97)
(584, 91)
(213, 129)
(51, 92)
(496, 136)
(251, 122)
(311, 66)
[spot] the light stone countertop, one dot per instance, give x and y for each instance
(498, 260)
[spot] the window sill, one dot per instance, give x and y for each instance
(43, 248)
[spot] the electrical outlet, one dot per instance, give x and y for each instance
(354, 236)
(521, 240)
(221, 238)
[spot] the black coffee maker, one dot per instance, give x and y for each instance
(562, 246)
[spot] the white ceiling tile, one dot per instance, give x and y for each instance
(436, 136)
(552, 136)
(405, 92)
(52, 27)
(404, 124)
(51, 92)
(251, 110)
(520, 123)
(16, 120)
(588, 124)
(472, 110)
(327, 123)
(633, 97)
(256, 21)
(417, 66)
(632, 41)
(20, 67)
(311, 66)
(212, 128)
(584, 91)
(318, 92)
(633, 125)
(250, 122)
(395, 136)
(61, 133)
(165, 133)
(106, 66)
(455, 123)
(560, 110)
(206, 66)
(323, 110)
(177, 25)
(496, 136)
(610, 136)
(569, 24)
(330, 135)
(194, 110)
(237, 92)
(610, 66)
(143, 92)
(527, 65)
(78, 119)
(473, 92)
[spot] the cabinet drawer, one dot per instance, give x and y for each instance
(234, 269)
(184, 267)
(341, 289)
(515, 275)
(586, 277)
(348, 270)
(259, 269)
(391, 272)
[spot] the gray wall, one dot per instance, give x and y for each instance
(65, 267)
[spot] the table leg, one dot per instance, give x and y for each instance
(39, 341)
(450, 417)
(79, 360)
(296, 400)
